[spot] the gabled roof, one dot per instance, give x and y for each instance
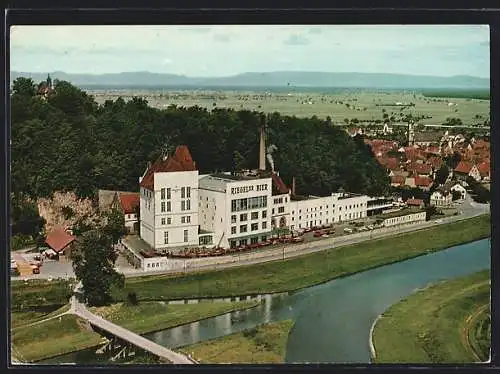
(58, 239)
(129, 201)
(435, 162)
(421, 168)
(484, 168)
(423, 181)
(398, 179)
(464, 167)
(414, 202)
(181, 160)
(278, 184)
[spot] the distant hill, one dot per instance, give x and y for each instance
(270, 79)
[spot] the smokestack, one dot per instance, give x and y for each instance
(262, 149)
(293, 186)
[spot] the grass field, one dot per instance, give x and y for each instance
(264, 344)
(434, 325)
(25, 318)
(307, 270)
(361, 104)
(51, 338)
(153, 316)
(56, 337)
(39, 293)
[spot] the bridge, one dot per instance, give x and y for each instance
(128, 336)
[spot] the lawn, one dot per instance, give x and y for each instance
(153, 316)
(307, 270)
(264, 344)
(25, 318)
(479, 332)
(52, 338)
(39, 293)
(433, 325)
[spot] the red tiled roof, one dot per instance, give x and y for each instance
(484, 168)
(398, 179)
(422, 168)
(463, 167)
(435, 161)
(423, 181)
(58, 239)
(129, 202)
(181, 160)
(279, 184)
(416, 202)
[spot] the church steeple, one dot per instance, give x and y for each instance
(49, 81)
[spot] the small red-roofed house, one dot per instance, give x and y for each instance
(465, 169)
(61, 242)
(415, 203)
(129, 204)
(398, 180)
(484, 171)
(424, 183)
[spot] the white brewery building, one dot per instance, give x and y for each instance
(180, 208)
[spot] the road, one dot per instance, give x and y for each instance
(468, 207)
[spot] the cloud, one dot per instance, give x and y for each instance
(167, 61)
(296, 39)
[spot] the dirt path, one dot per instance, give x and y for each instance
(465, 330)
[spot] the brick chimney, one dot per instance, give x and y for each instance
(262, 149)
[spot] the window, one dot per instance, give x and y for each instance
(232, 243)
(162, 193)
(188, 204)
(185, 236)
(293, 211)
(169, 206)
(188, 219)
(243, 228)
(286, 199)
(255, 215)
(233, 230)
(165, 237)
(188, 192)
(254, 240)
(233, 218)
(169, 195)
(183, 219)
(254, 226)
(281, 209)
(183, 192)
(264, 225)
(263, 238)
(243, 217)
(264, 214)
(300, 217)
(163, 221)
(340, 208)
(272, 211)
(183, 205)
(128, 216)
(163, 206)
(169, 221)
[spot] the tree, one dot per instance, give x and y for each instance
(24, 87)
(442, 175)
(93, 262)
(115, 225)
(25, 217)
(456, 195)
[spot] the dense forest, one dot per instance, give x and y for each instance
(63, 140)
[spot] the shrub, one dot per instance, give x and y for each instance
(132, 298)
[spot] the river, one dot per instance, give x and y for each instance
(332, 320)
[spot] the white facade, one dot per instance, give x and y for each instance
(236, 210)
(404, 219)
(350, 207)
(311, 212)
(458, 187)
(169, 214)
(440, 199)
(130, 220)
(280, 211)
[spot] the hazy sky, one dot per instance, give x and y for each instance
(227, 50)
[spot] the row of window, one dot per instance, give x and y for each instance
(257, 202)
(168, 220)
(254, 240)
(244, 216)
(165, 236)
(244, 228)
(167, 192)
(185, 205)
(279, 200)
(281, 209)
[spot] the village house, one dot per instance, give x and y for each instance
(129, 205)
(441, 198)
(419, 203)
(423, 182)
(60, 243)
(466, 169)
(459, 188)
(484, 171)
(427, 138)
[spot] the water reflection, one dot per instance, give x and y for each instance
(333, 320)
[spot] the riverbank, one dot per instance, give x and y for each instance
(265, 344)
(433, 325)
(70, 334)
(307, 270)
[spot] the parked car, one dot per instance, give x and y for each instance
(348, 230)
